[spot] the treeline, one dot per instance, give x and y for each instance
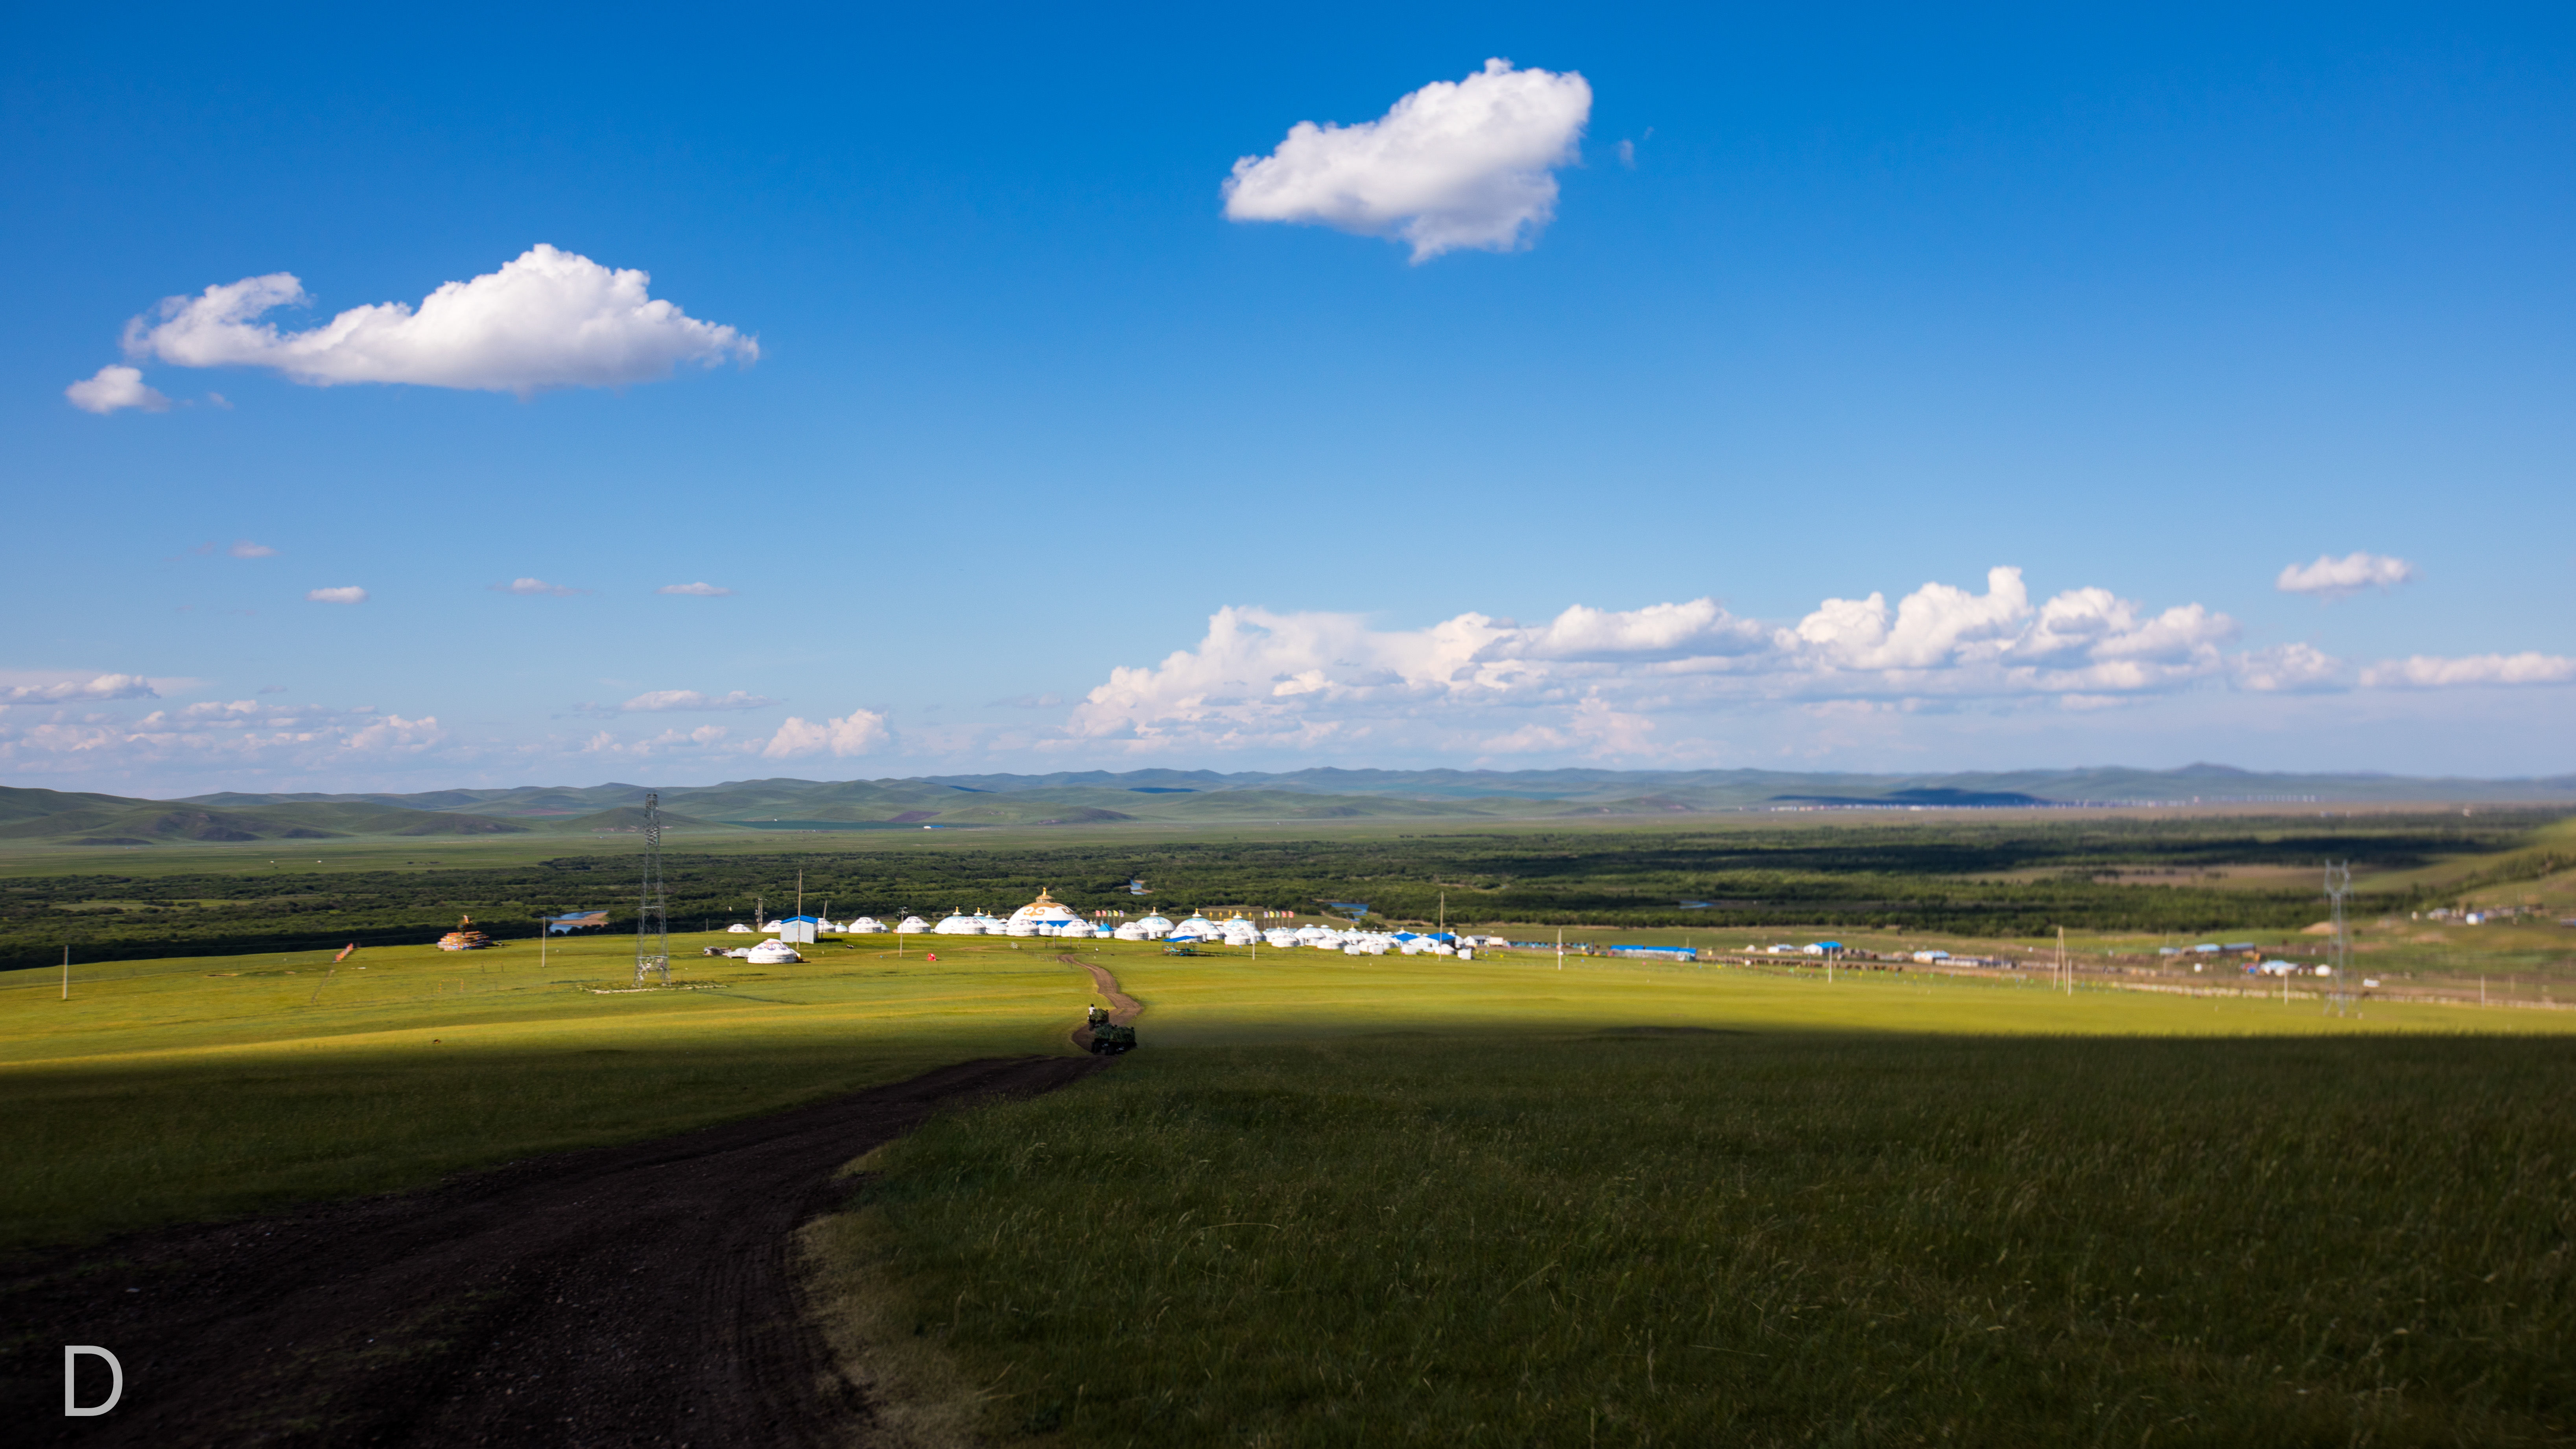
(1935, 878)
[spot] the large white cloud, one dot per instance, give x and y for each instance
(2430, 672)
(856, 733)
(113, 387)
(1455, 164)
(2335, 578)
(547, 319)
(1591, 680)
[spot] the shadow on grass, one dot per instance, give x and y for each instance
(1761, 1238)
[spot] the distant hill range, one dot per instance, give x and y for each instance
(1098, 797)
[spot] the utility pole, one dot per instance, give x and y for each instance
(1560, 948)
(67, 979)
(652, 921)
(2339, 950)
(2065, 968)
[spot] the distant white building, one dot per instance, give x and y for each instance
(799, 929)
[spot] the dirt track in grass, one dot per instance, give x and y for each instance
(636, 1295)
(1123, 1008)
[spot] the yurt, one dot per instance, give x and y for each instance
(1046, 910)
(772, 953)
(865, 926)
(739, 929)
(912, 925)
(1130, 931)
(1240, 932)
(1154, 928)
(1078, 931)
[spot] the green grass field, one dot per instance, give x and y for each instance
(1496, 1203)
(1344, 1199)
(204, 1087)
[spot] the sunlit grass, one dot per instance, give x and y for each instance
(179, 1090)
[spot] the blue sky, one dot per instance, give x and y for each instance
(1046, 462)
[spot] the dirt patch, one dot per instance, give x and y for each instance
(623, 1296)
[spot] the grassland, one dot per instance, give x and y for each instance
(1502, 1204)
(1985, 875)
(205, 1087)
(1340, 1199)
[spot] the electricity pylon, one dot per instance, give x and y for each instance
(652, 914)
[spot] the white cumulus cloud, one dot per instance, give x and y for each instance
(696, 591)
(537, 588)
(547, 319)
(1592, 681)
(113, 387)
(856, 733)
(690, 699)
(2335, 578)
(2425, 671)
(2287, 667)
(345, 594)
(1455, 164)
(103, 686)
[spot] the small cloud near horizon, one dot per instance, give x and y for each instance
(690, 699)
(536, 588)
(696, 591)
(344, 594)
(2337, 578)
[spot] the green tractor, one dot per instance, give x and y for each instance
(1108, 1039)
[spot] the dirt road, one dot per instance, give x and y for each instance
(638, 1295)
(1123, 1008)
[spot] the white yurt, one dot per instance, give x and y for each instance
(865, 926)
(739, 929)
(1044, 911)
(772, 953)
(912, 925)
(1078, 930)
(1240, 932)
(1154, 928)
(1195, 926)
(1130, 931)
(1280, 937)
(957, 923)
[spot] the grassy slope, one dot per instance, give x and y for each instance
(1393, 1202)
(164, 1093)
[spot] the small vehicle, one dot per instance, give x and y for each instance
(1107, 1038)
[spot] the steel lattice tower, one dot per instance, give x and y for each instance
(652, 914)
(2339, 947)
